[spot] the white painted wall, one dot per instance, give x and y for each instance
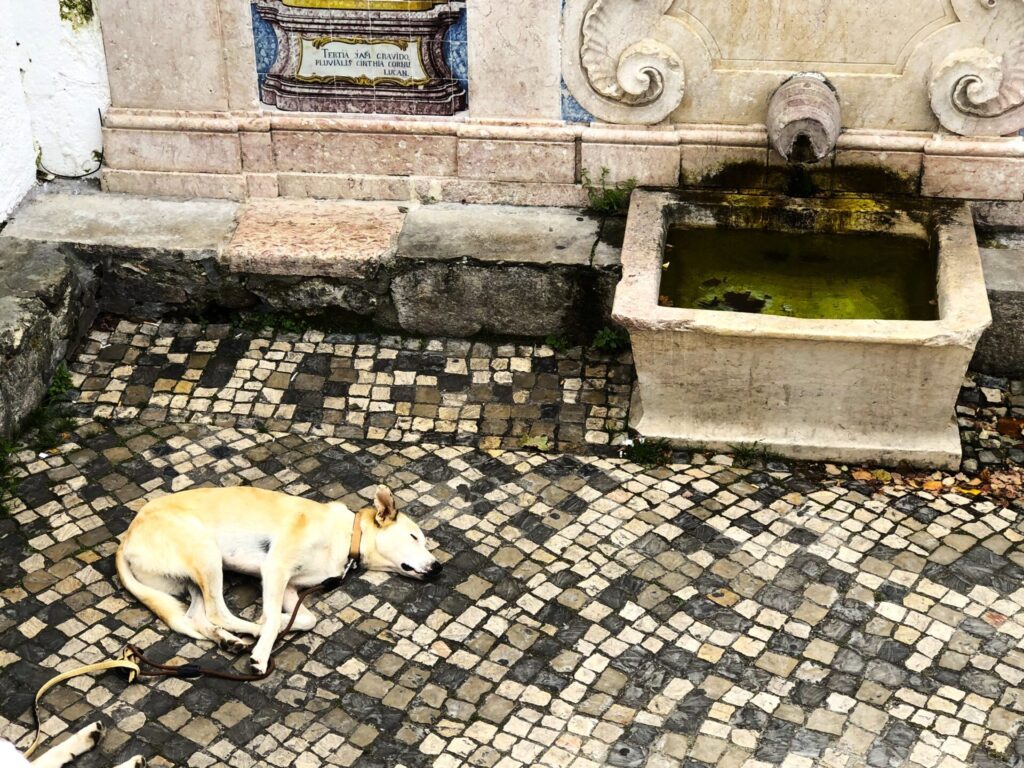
(64, 76)
(55, 85)
(17, 157)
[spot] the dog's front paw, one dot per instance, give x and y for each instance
(260, 662)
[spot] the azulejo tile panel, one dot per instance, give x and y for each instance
(404, 57)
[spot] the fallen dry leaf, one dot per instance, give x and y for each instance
(862, 474)
(1009, 427)
(968, 491)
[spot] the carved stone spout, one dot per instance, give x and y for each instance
(804, 118)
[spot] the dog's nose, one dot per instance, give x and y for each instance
(435, 569)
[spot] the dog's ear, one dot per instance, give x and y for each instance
(384, 504)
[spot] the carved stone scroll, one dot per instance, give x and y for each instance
(625, 74)
(979, 91)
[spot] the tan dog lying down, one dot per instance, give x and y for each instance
(181, 543)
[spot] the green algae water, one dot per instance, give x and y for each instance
(857, 276)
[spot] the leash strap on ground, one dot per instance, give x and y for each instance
(127, 661)
(149, 668)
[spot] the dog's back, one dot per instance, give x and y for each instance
(237, 507)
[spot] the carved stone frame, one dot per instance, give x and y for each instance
(648, 61)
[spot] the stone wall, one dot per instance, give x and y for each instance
(668, 93)
(47, 303)
(64, 74)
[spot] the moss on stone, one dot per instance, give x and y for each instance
(859, 276)
(78, 13)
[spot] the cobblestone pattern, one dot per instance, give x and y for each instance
(442, 391)
(590, 613)
(991, 414)
(357, 386)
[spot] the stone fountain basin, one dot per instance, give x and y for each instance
(859, 391)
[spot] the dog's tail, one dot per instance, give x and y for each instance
(166, 606)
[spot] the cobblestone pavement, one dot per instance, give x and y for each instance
(591, 612)
(441, 391)
(357, 386)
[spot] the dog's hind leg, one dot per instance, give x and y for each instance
(305, 619)
(76, 744)
(157, 592)
(223, 638)
(209, 572)
(136, 762)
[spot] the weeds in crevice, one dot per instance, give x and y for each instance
(605, 199)
(60, 384)
(648, 453)
(47, 426)
(557, 343)
(753, 453)
(610, 340)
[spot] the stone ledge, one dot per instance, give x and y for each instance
(47, 303)
(154, 255)
(502, 270)
(196, 228)
(445, 269)
(314, 238)
(499, 234)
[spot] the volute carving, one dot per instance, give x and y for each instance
(978, 91)
(632, 77)
(629, 61)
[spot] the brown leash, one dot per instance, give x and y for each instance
(136, 664)
(150, 668)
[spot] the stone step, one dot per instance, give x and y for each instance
(434, 269)
(314, 238)
(154, 256)
(463, 270)
(194, 228)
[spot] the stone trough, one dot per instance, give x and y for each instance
(856, 390)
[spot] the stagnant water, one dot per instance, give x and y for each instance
(833, 276)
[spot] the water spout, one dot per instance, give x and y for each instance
(804, 118)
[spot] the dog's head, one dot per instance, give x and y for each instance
(396, 544)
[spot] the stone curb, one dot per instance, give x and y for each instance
(47, 304)
(452, 270)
